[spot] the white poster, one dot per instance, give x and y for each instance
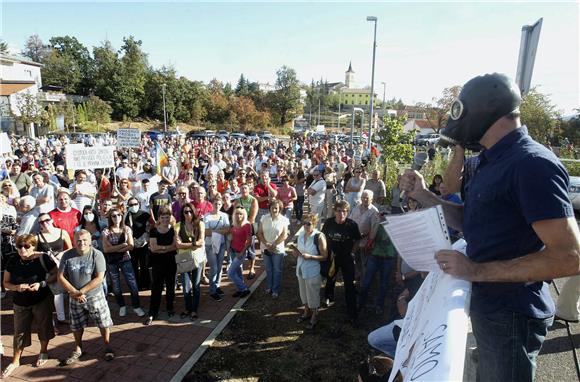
(5, 143)
(431, 346)
(80, 157)
(128, 138)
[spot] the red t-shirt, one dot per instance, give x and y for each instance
(239, 236)
(202, 208)
(260, 191)
(67, 221)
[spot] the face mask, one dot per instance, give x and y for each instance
(89, 217)
(134, 209)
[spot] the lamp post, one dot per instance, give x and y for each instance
(372, 116)
(163, 86)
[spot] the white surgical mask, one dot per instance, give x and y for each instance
(89, 217)
(134, 209)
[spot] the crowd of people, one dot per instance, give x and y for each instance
(216, 204)
(213, 206)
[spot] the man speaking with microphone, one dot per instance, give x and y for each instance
(518, 223)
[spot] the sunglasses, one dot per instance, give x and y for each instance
(134, 204)
(25, 246)
(188, 212)
(182, 193)
(45, 221)
(116, 215)
(308, 224)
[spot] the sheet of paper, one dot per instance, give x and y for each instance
(418, 235)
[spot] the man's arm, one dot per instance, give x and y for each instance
(559, 258)
(94, 283)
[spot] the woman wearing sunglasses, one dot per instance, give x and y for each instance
(26, 277)
(56, 241)
(310, 253)
(117, 242)
(190, 236)
(162, 245)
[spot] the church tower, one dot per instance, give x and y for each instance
(348, 76)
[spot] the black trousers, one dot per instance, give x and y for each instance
(299, 207)
(141, 267)
(345, 264)
(164, 271)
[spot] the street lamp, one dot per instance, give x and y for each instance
(372, 116)
(163, 86)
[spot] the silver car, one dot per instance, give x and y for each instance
(574, 192)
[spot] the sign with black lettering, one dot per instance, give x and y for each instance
(79, 157)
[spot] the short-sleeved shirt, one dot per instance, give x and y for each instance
(66, 220)
(261, 191)
(79, 269)
(22, 182)
(239, 236)
(341, 238)
(165, 239)
(29, 272)
(157, 200)
(46, 191)
(517, 183)
(273, 228)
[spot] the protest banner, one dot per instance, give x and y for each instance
(5, 144)
(431, 346)
(128, 138)
(80, 157)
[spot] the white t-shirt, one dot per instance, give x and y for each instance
(273, 228)
(317, 199)
(46, 191)
(81, 201)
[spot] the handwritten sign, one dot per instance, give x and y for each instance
(431, 346)
(128, 138)
(80, 157)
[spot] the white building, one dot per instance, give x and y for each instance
(17, 76)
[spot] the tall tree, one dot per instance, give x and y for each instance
(3, 47)
(132, 77)
(72, 49)
(436, 112)
(61, 70)
(35, 49)
(242, 88)
(539, 115)
(106, 71)
(287, 95)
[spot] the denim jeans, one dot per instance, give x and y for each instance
(274, 266)
(191, 289)
(299, 207)
(235, 270)
(383, 266)
(216, 262)
(287, 212)
(383, 339)
(115, 271)
(508, 344)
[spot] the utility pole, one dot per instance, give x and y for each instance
(164, 112)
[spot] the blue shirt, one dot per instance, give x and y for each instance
(518, 182)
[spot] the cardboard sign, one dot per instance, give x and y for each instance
(431, 346)
(79, 157)
(128, 138)
(5, 143)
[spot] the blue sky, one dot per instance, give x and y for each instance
(422, 47)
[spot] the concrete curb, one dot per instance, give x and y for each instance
(192, 360)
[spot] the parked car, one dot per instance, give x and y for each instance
(574, 192)
(210, 133)
(237, 136)
(223, 133)
(426, 139)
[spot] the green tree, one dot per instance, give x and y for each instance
(242, 88)
(286, 98)
(570, 129)
(396, 148)
(74, 50)
(29, 111)
(61, 70)
(3, 47)
(106, 72)
(539, 115)
(98, 110)
(132, 75)
(35, 49)
(436, 112)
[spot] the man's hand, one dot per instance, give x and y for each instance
(22, 287)
(412, 183)
(34, 287)
(457, 264)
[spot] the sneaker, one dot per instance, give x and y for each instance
(245, 293)
(274, 296)
(251, 275)
(219, 291)
(328, 302)
(109, 354)
(123, 311)
(148, 321)
(216, 296)
(139, 312)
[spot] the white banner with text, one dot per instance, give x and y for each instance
(128, 138)
(79, 157)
